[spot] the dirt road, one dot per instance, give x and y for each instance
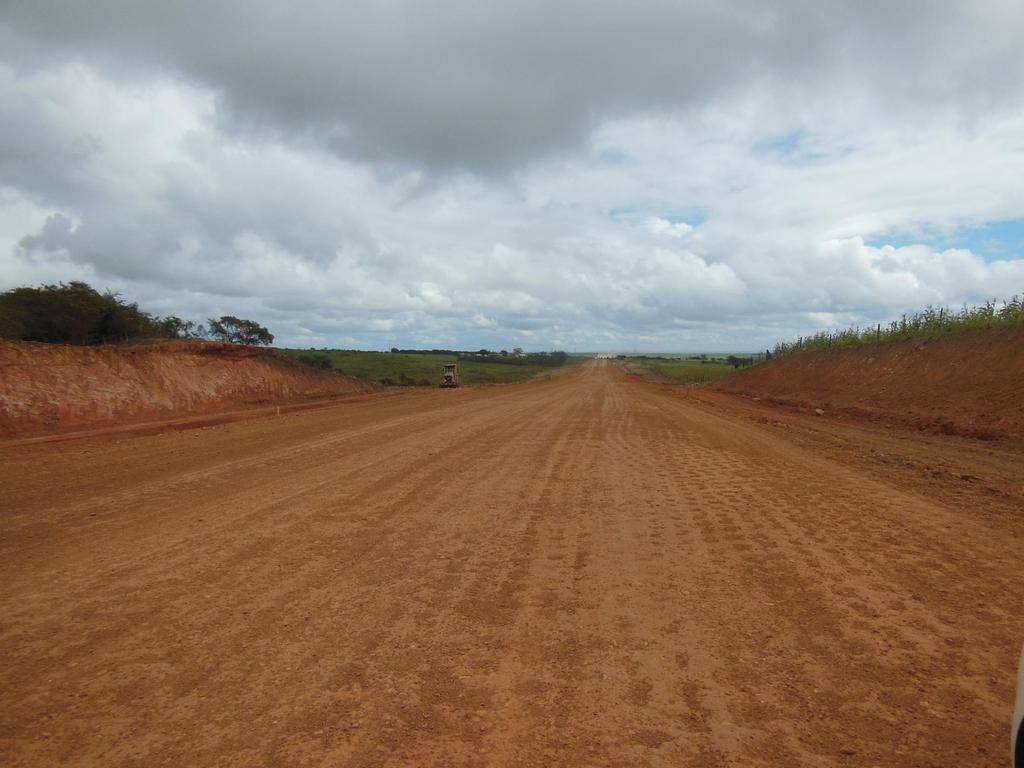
(586, 571)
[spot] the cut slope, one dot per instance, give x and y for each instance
(969, 383)
(54, 387)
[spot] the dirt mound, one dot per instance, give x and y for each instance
(47, 388)
(969, 383)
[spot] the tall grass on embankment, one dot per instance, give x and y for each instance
(927, 323)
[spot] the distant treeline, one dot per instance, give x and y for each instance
(397, 351)
(929, 322)
(544, 359)
(76, 313)
(734, 360)
(504, 357)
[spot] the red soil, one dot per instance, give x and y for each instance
(969, 383)
(49, 388)
(576, 572)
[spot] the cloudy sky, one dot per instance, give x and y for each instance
(587, 174)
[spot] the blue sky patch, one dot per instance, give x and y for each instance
(612, 156)
(692, 216)
(994, 241)
(779, 145)
(797, 149)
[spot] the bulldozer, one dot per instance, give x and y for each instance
(450, 379)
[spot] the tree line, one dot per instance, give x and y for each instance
(543, 359)
(76, 313)
(515, 357)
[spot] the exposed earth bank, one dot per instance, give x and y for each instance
(969, 383)
(46, 388)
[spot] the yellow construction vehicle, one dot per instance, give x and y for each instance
(450, 379)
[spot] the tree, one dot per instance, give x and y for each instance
(72, 313)
(174, 327)
(235, 330)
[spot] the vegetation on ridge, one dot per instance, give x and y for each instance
(932, 321)
(76, 313)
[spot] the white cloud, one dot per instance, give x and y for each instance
(660, 226)
(725, 214)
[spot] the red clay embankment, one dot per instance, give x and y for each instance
(969, 383)
(52, 388)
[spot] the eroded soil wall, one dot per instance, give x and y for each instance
(969, 383)
(47, 388)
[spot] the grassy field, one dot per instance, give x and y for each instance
(412, 370)
(692, 371)
(679, 371)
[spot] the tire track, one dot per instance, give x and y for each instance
(580, 572)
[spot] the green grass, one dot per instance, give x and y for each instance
(412, 370)
(681, 371)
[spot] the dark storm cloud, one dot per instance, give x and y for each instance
(484, 85)
(38, 157)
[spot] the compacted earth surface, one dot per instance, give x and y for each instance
(584, 571)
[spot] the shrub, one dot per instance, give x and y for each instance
(320, 362)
